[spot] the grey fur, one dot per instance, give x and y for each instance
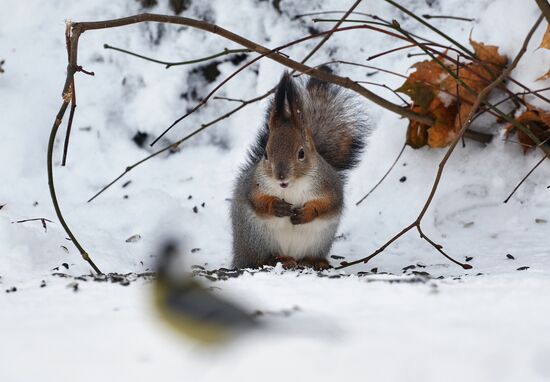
(332, 114)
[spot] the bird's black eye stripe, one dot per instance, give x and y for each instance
(301, 154)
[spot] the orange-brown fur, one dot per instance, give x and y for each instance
(270, 205)
(313, 209)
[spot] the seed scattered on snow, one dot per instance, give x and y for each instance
(469, 258)
(133, 239)
(510, 257)
(196, 209)
(541, 221)
(523, 268)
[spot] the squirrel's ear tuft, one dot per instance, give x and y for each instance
(287, 102)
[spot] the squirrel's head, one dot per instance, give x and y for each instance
(290, 150)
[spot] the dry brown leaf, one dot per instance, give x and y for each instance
(537, 121)
(417, 133)
(430, 85)
(422, 85)
(545, 43)
(488, 53)
(544, 76)
(427, 71)
(442, 133)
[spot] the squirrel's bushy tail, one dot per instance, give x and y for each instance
(338, 123)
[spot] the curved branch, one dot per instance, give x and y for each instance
(269, 53)
(51, 186)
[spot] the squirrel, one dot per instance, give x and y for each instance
(289, 196)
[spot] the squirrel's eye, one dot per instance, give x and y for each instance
(265, 154)
(301, 154)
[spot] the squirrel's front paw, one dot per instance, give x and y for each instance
(303, 215)
(281, 208)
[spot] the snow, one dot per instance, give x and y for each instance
(463, 327)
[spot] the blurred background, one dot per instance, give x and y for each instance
(409, 314)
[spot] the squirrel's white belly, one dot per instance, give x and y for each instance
(299, 240)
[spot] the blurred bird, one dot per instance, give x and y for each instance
(192, 309)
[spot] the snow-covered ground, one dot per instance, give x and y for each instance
(465, 326)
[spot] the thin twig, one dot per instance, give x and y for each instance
(329, 12)
(364, 66)
(382, 22)
(405, 102)
(434, 29)
(178, 63)
(42, 220)
(230, 99)
(33, 220)
(385, 175)
(507, 98)
(334, 28)
(525, 177)
(447, 17)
